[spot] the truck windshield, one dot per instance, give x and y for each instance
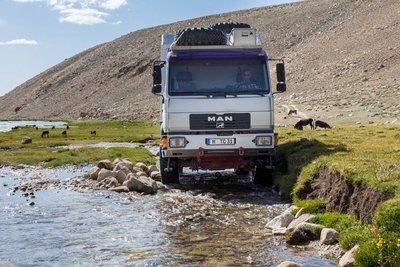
(222, 76)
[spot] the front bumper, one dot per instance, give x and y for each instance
(197, 146)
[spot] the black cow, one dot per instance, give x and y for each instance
(93, 132)
(304, 122)
(322, 124)
(64, 133)
(45, 133)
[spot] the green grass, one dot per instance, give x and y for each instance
(79, 132)
(368, 155)
(44, 151)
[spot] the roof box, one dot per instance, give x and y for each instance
(243, 37)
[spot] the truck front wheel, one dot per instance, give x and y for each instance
(263, 176)
(171, 175)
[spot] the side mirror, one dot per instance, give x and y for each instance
(156, 89)
(157, 76)
(281, 87)
(280, 72)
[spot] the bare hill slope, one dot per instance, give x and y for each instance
(343, 61)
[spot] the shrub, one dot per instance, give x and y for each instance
(367, 254)
(387, 216)
(351, 236)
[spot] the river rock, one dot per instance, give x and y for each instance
(105, 164)
(347, 260)
(141, 174)
(121, 176)
(120, 189)
(152, 168)
(116, 161)
(119, 167)
(329, 236)
(109, 182)
(161, 186)
(288, 264)
(303, 218)
(141, 184)
(304, 233)
(279, 221)
(142, 166)
(291, 208)
(155, 175)
(300, 212)
(93, 173)
(104, 173)
(26, 140)
(279, 231)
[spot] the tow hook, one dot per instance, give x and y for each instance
(241, 151)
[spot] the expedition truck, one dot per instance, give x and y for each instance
(217, 105)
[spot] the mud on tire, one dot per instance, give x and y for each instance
(227, 27)
(200, 36)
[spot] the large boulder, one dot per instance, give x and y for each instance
(152, 168)
(141, 184)
(104, 173)
(303, 218)
(280, 221)
(141, 174)
(347, 260)
(93, 173)
(109, 182)
(105, 164)
(304, 233)
(142, 166)
(300, 212)
(329, 236)
(155, 175)
(121, 176)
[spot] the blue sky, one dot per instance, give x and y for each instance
(37, 34)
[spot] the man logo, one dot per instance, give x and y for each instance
(220, 118)
(220, 125)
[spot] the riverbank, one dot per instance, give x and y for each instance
(349, 177)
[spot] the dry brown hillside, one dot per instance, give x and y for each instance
(343, 63)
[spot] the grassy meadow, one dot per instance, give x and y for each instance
(44, 151)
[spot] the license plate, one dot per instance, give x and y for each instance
(220, 141)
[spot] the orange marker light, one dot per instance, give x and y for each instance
(164, 142)
(276, 139)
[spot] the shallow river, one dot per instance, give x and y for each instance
(208, 222)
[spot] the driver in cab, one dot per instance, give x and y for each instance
(246, 82)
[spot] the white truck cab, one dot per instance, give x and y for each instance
(217, 107)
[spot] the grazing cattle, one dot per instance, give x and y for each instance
(53, 127)
(67, 127)
(64, 133)
(322, 124)
(292, 111)
(45, 134)
(37, 128)
(304, 122)
(93, 133)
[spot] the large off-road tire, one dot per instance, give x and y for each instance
(227, 27)
(263, 176)
(200, 36)
(171, 176)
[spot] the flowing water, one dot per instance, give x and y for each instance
(208, 221)
(6, 126)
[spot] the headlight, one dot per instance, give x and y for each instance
(177, 142)
(263, 140)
